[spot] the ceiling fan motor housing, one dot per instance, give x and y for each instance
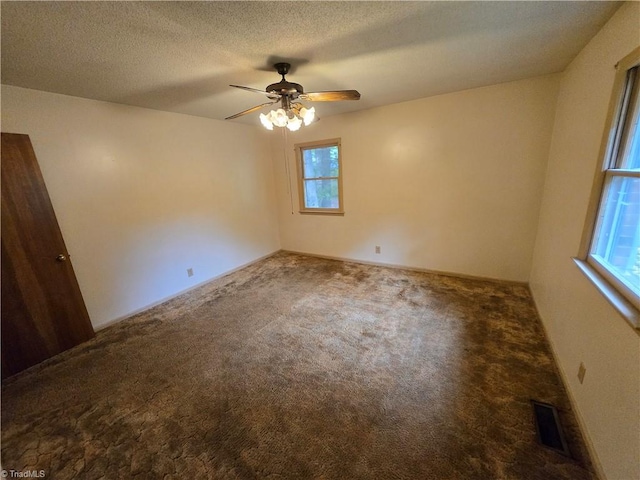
(283, 87)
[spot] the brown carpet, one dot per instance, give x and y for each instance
(299, 367)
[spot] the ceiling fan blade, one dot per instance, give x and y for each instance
(334, 96)
(255, 90)
(250, 110)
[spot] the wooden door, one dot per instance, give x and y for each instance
(43, 312)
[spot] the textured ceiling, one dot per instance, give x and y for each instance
(181, 56)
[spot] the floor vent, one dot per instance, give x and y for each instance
(548, 427)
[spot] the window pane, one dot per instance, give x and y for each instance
(630, 157)
(321, 194)
(631, 153)
(320, 162)
(617, 239)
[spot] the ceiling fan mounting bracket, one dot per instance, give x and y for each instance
(282, 68)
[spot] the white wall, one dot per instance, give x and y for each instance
(142, 195)
(450, 183)
(580, 323)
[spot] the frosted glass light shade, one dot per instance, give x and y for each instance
(292, 118)
(294, 124)
(279, 118)
(266, 122)
(308, 114)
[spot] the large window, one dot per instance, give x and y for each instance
(613, 244)
(320, 177)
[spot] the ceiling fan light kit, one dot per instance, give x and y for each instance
(293, 119)
(291, 114)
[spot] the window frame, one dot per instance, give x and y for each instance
(299, 148)
(624, 300)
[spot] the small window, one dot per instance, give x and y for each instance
(320, 177)
(613, 243)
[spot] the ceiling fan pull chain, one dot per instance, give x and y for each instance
(287, 167)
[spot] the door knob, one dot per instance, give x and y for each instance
(61, 258)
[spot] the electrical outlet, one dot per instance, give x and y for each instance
(189, 272)
(377, 248)
(581, 372)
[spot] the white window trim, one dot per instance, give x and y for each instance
(615, 291)
(618, 301)
(299, 147)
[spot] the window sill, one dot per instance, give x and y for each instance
(624, 307)
(322, 212)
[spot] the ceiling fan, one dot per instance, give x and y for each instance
(291, 114)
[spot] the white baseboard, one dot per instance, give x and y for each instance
(174, 295)
(410, 268)
(574, 405)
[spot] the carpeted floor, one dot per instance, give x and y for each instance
(298, 367)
